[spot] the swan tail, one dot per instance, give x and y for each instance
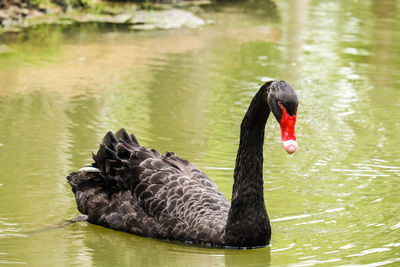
(92, 185)
(88, 188)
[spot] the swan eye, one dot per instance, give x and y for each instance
(280, 103)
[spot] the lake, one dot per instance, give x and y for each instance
(335, 201)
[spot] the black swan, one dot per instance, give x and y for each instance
(134, 189)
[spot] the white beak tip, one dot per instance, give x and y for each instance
(290, 146)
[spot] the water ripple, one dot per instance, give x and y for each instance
(306, 215)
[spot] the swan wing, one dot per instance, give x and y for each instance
(150, 194)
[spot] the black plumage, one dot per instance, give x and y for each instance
(134, 189)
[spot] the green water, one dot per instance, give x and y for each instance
(336, 201)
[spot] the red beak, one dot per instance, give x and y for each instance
(287, 128)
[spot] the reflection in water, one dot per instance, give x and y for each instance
(177, 115)
(84, 114)
(296, 36)
(384, 55)
(333, 202)
(129, 250)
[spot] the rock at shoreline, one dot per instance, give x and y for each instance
(144, 20)
(166, 19)
(14, 17)
(13, 12)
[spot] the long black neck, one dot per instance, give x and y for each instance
(248, 224)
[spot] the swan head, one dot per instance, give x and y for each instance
(283, 102)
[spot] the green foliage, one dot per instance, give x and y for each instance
(65, 3)
(40, 2)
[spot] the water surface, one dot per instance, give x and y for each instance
(334, 202)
